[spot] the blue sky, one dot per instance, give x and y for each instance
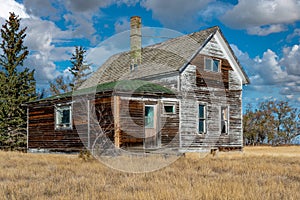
(264, 34)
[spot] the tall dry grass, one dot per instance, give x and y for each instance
(257, 173)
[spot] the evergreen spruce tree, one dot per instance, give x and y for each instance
(17, 84)
(80, 69)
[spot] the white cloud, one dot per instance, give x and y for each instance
(295, 34)
(122, 24)
(266, 30)
(40, 8)
(254, 15)
(117, 43)
(81, 26)
(8, 6)
(45, 70)
(177, 13)
(270, 73)
(41, 34)
(269, 68)
(291, 59)
(94, 5)
(86, 5)
(214, 10)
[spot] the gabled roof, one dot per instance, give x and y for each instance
(170, 56)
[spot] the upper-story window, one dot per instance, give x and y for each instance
(212, 65)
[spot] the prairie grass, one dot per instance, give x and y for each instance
(256, 173)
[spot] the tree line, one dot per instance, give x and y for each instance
(18, 85)
(271, 122)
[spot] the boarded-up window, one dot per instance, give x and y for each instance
(224, 120)
(63, 117)
(202, 118)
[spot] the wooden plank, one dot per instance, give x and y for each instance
(117, 121)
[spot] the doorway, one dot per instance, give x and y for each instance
(151, 138)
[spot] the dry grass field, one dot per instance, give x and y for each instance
(257, 173)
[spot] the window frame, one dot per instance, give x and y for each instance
(204, 118)
(153, 117)
(63, 126)
(212, 66)
(225, 120)
(169, 104)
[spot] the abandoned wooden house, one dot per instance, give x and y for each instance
(184, 93)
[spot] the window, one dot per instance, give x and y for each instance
(149, 116)
(212, 65)
(202, 118)
(133, 67)
(63, 117)
(224, 120)
(169, 109)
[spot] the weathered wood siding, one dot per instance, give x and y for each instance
(170, 81)
(212, 48)
(212, 79)
(42, 133)
(132, 128)
(169, 125)
(131, 122)
(88, 124)
(101, 128)
(213, 90)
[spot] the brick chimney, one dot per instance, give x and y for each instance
(135, 42)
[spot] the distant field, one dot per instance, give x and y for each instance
(256, 173)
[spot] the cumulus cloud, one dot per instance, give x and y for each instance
(81, 26)
(262, 17)
(291, 59)
(269, 72)
(41, 8)
(86, 5)
(92, 5)
(12, 6)
(82, 14)
(45, 70)
(41, 36)
(269, 69)
(177, 13)
(215, 9)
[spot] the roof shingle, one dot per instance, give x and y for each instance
(159, 58)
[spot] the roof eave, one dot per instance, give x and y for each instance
(184, 66)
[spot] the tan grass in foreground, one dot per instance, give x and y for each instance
(257, 173)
